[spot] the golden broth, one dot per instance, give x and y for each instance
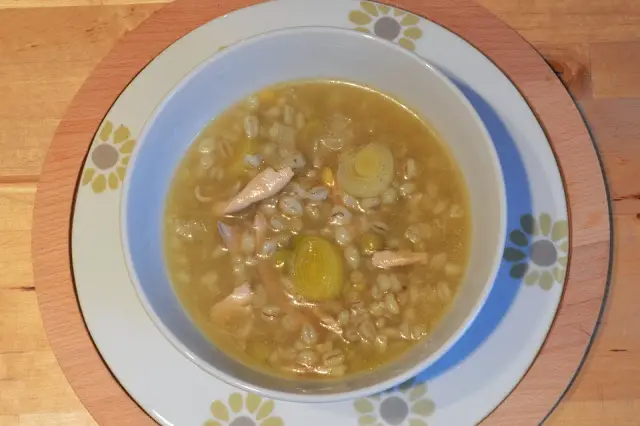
(303, 297)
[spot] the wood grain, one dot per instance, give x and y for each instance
(616, 69)
(31, 4)
(40, 71)
(42, 67)
(606, 392)
(16, 204)
(570, 21)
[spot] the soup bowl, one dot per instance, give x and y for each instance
(295, 54)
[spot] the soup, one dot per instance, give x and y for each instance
(317, 229)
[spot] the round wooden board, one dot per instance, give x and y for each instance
(589, 268)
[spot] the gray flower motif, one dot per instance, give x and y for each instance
(247, 410)
(108, 159)
(406, 405)
(388, 23)
(539, 251)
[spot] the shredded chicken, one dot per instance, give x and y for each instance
(260, 226)
(241, 296)
(272, 285)
(389, 259)
(274, 289)
(327, 321)
(264, 185)
(335, 194)
(235, 305)
(230, 236)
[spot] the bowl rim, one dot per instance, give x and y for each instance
(337, 396)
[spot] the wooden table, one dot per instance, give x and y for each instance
(48, 48)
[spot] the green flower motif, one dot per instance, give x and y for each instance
(406, 405)
(540, 250)
(251, 410)
(388, 23)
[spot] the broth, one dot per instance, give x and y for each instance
(354, 249)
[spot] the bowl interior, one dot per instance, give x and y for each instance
(307, 53)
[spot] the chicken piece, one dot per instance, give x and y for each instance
(230, 236)
(264, 185)
(241, 294)
(234, 313)
(239, 298)
(389, 259)
(327, 321)
(260, 226)
(276, 292)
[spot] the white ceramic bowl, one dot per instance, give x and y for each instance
(293, 54)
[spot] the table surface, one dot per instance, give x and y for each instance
(49, 47)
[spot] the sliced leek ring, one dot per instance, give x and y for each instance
(317, 269)
(367, 172)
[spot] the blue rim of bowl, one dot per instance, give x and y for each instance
(519, 202)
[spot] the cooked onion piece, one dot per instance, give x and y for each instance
(317, 269)
(367, 172)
